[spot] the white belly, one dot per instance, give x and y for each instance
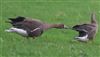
(84, 38)
(22, 32)
(18, 31)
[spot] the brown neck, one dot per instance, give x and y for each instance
(93, 19)
(48, 26)
(58, 26)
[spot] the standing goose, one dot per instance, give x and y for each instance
(30, 28)
(87, 31)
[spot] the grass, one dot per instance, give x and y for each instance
(54, 42)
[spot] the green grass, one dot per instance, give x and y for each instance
(54, 42)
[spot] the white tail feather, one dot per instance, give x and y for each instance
(18, 31)
(84, 38)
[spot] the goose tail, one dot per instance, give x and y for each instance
(93, 18)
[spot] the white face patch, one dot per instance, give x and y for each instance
(84, 38)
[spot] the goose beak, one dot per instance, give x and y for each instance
(66, 27)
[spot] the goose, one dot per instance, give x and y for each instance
(31, 27)
(87, 31)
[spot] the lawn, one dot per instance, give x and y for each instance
(54, 42)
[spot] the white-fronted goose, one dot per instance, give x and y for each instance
(87, 31)
(30, 27)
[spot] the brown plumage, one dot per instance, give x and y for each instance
(87, 29)
(33, 27)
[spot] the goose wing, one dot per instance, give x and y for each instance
(87, 27)
(82, 32)
(35, 32)
(84, 29)
(27, 24)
